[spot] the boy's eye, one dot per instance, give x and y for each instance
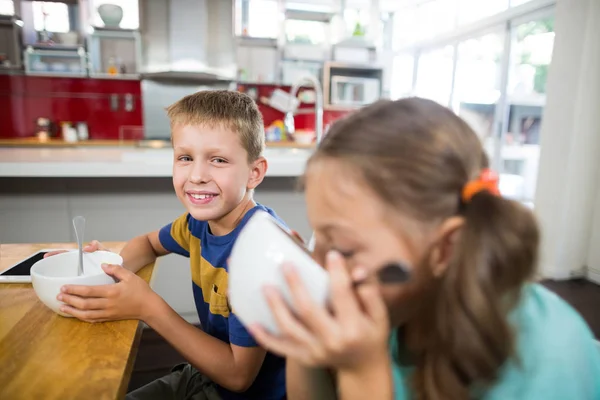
(219, 160)
(185, 158)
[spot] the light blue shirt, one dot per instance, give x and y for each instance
(559, 358)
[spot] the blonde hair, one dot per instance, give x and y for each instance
(232, 110)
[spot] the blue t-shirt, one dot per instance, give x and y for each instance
(558, 356)
(208, 256)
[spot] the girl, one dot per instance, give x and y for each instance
(406, 182)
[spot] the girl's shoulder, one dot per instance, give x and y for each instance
(556, 354)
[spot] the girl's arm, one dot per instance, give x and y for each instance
(307, 383)
(373, 382)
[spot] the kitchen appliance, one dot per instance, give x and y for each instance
(351, 85)
(11, 42)
(350, 91)
(189, 45)
(188, 40)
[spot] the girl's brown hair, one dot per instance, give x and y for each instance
(417, 156)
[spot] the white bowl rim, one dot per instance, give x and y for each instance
(32, 271)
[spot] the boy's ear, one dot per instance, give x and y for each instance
(258, 169)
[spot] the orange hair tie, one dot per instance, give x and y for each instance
(487, 180)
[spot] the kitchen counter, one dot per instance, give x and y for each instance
(44, 355)
(122, 161)
(53, 143)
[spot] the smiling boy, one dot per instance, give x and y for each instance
(218, 140)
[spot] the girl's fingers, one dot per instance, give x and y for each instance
(280, 345)
(288, 325)
(343, 299)
(372, 302)
(316, 318)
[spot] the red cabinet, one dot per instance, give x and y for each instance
(106, 105)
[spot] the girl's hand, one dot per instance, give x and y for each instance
(354, 335)
(92, 246)
(130, 298)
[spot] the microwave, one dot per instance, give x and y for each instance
(350, 91)
(351, 85)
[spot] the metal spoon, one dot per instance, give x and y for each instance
(79, 225)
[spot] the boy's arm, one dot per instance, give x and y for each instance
(142, 250)
(230, 366)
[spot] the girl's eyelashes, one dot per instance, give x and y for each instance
(345, 253)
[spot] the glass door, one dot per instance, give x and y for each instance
(435, 73)
(478, 84)
(532, 42)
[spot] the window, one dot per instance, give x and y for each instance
(436, 17)
(402, 76)
(514, 3)
(405, 27)
(434, 75)
(477, 84)
(305, 32)
(532, 46)
(473, 10)
(50, 16)
(131, 16)
(263, 18)
(7, 7)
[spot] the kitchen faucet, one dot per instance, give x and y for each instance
(289, 116)
(289, 120)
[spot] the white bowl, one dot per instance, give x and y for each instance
(111, 15)
(50, 274)
(258, 254)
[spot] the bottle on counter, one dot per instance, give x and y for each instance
(43, 129)
(69, 133)
(112, 67)
(82, 131)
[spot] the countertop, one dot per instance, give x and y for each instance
(44, 355)
(122, 161)
(32, 142)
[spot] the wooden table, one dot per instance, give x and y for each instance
(46, 356)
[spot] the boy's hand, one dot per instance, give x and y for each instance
(92, 246)
(130, 298)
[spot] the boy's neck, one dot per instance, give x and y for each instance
(230, 221)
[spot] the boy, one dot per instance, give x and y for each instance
(218, 139)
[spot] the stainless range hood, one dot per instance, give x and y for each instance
(188, 40)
